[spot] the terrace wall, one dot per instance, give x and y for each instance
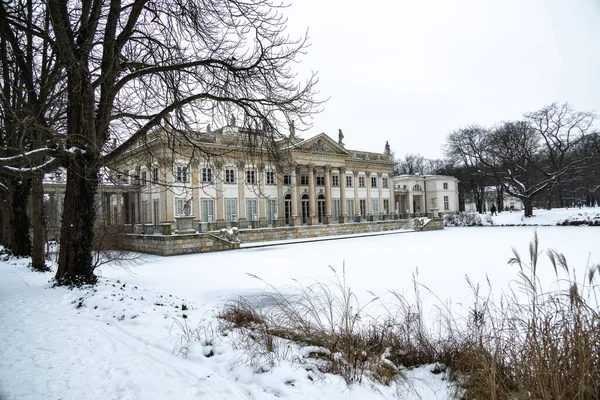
(167, 245)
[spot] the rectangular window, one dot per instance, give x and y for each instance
(230, 175)
(155, 211)
(287, 179)
(386, 206)
(350, 207)
(361, 181)
(208, 210)
(320, 180)
(336, 210)
(384, 182)
(155, 174)
(446, 203)
(373, 181)
(181, 174)
(206, 175)
(446, 185)
(271, 210)
(375, 206)
(335, 180)
(348, 180)
(230, 210)
(251, 210)
(363, 207)
(270, 177)
(179, 203)
(251, 177)
(304, 180)
(144, 178)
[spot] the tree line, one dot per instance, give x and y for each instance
(80, 76)
(549, 158)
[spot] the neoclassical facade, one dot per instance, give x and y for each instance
(318, 182)
(426, 194)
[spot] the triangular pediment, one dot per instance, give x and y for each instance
(322, 144)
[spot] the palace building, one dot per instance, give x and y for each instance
(316, 181)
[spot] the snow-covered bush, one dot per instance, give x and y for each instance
(462, 219)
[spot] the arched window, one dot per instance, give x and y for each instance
(417, 188)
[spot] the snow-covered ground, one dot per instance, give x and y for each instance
(542, 217)
(116, 341)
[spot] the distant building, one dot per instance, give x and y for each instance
(490, 198)
(431, 194)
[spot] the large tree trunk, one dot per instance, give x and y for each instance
(20, 241)
(528, 206)
(38, 224)
(4, 220)
(77, 230)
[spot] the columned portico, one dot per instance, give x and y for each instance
(343, 211)
(382, 211)
(243, 221)
(328, 206)
(296, 221)
(312, 201)
(369, 202)
(356, 199)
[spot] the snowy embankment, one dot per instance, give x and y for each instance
(117, 340)
(541, 217)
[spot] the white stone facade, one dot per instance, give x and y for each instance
(321, 183)
(425, 194)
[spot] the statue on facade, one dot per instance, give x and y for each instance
(387, 150)
(433, 202)
(187, 206)
(230, 234)
(340, 137)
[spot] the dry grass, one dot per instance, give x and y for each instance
(528, 344)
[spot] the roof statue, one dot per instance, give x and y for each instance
(387, 148)
(208, 128)
(232, 120)
(292, 130)
(340, 137)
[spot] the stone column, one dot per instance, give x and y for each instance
(368, 185)
(243, 221)
(219, 218)
(168, 209)
(262, 200)
(343, 211)
(312, 171)
(392, 201)
(280, 200)
(119, 216)
(296, 220)
(108, 215)
(328, 203)
(380, 193)
(356, 201)
(52, 211)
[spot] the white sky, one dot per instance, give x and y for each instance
(412, 71)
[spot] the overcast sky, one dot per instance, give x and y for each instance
(410, 72)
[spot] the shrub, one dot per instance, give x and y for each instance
(462, 219)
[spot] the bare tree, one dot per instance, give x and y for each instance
(130, 66)
(465, 148)
(560, 129)
(30, 87)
